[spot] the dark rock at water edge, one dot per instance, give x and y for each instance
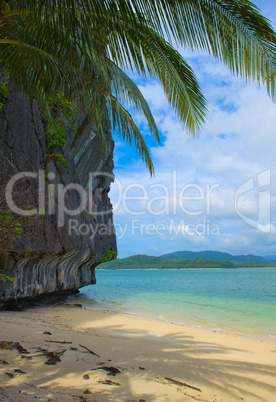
(57, 263)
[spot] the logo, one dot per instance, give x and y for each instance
(259, 186)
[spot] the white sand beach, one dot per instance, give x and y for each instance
(221, 366)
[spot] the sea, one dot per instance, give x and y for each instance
(241, 301)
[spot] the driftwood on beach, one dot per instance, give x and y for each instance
(49, 340)
(89, 350)
(182, 384)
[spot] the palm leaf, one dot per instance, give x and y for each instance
(143, 50)
(81, 47)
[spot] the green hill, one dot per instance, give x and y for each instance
(253, 264)
(149, 262)
(216, 256)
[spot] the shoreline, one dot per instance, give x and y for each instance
(225, 367)
(220, 300)
(197, 324)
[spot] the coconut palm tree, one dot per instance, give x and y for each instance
(84, 48)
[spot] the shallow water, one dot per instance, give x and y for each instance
(235, 299)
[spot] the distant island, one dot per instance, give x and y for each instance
(219, 256)
(149, 262)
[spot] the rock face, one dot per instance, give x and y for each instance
(61, 245)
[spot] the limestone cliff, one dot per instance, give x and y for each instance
(59, 259)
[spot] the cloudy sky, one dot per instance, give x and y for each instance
(213, 192)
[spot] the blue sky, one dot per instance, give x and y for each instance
(216, 191)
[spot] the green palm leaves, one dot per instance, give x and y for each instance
(83, 48)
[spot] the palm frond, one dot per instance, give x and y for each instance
(81, 47)
(121, 120)
(148, 53)
(124, 124)
(127, 92)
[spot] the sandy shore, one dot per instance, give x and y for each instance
(224, 367)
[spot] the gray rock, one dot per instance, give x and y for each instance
(65, 259)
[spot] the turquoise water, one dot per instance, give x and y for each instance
(241, 300)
